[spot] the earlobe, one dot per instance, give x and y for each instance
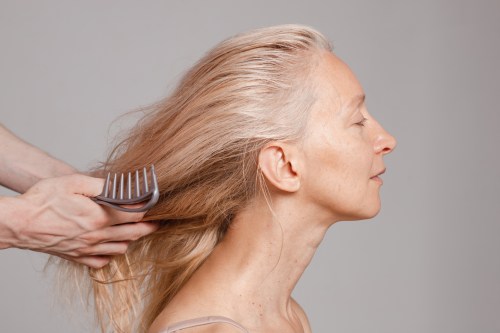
(278, 165)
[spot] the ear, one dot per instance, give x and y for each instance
(279, 164)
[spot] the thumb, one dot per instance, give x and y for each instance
(81, 184)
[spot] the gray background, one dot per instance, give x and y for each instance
(427, 263)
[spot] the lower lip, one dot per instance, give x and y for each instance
(377, 179)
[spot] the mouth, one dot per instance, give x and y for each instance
(377, 178)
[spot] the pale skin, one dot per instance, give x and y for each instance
(54, 213)
(326, 178)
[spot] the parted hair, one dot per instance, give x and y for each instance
(204, 140)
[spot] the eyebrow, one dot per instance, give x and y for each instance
(353, 103)
(356, 101)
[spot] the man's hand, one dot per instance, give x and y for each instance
(56, 216)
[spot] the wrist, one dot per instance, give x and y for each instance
(14, 217)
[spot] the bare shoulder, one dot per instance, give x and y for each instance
(212, 328)
(302, 316)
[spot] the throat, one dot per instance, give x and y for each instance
(259, 262)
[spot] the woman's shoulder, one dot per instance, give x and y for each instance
(210, 324)
(212, 328)
(301, 314)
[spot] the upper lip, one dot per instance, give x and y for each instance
(381, 172)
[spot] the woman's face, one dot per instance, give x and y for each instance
(344, 147)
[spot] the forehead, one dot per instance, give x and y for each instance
(337, 83)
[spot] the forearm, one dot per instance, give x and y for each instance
(22, 165)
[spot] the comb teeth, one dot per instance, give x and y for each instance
(137, 187)
(145, 172)
(129, 186)
(121, 186)
(127, 190)
(106, 185)
(114, 187)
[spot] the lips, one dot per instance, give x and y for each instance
(377, 179)
(378, 174)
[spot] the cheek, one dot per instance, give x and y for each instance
(350, 172)
(347, 159)
(325, 167)
(338, 174)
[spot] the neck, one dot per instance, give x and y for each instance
(262, 256)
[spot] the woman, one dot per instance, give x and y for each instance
(265, 144)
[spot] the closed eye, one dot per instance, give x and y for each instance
(362, 122)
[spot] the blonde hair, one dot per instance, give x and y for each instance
(204, 140)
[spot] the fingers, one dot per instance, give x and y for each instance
(123, 232)
(93, 261)
(105, 243)
(82, 184)
(86, 185)
(90, 187)
(96, 256)
(86, 232)
(104, 249)
(90, 261)
(117, 217)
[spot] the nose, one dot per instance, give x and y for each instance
(385, 142)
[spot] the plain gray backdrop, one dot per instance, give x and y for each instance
(429, 262)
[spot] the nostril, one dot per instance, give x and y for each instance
(388, 149)
(385, 143)
(390, 144)
(384, 149)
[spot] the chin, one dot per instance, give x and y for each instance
(365, 214)
(373, 210)
(372, 214)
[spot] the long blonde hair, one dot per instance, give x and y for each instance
(204, 141)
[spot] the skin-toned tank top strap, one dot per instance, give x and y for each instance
(202, 321)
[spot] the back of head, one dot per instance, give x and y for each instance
(204, 141)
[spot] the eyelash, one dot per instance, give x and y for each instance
(362, 122)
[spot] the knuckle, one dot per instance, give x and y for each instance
(97, 222)
(91, 236)
(91, 239)
(80, 252)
